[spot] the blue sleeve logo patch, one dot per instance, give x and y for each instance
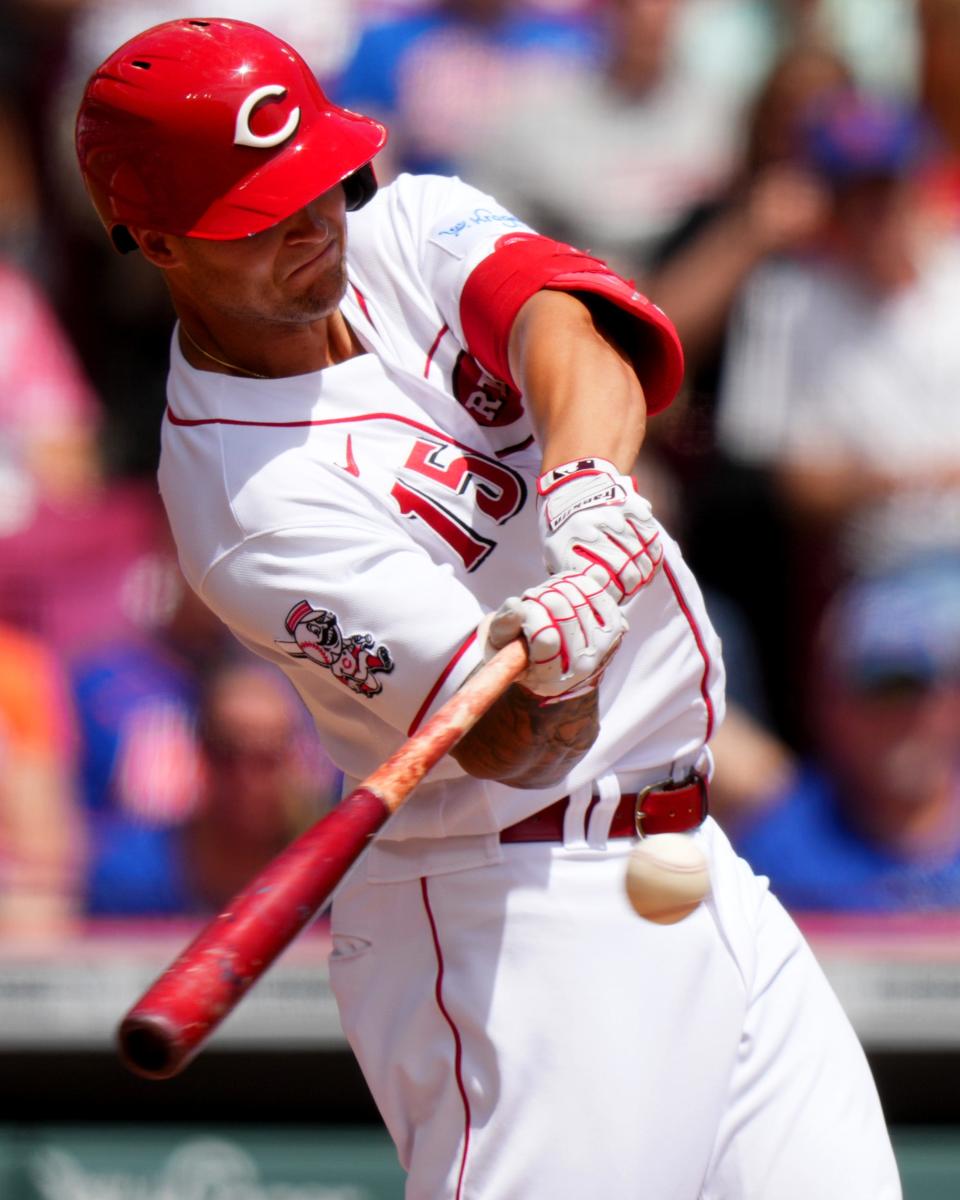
(459, 234)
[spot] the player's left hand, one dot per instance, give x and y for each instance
(590, 514)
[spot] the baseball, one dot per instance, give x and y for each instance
(667, 877)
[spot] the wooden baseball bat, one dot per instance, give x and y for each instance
(174, 1017)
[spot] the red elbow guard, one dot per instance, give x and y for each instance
(524, 263)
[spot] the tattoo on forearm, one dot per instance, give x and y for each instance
(524, 743)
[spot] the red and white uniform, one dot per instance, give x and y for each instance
(353, 525)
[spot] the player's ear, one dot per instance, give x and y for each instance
(156, 247)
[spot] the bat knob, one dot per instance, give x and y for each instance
(149, 1046)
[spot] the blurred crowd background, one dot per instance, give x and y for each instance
(781, 176)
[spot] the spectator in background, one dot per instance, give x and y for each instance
(72, 539)
(196, 765)
(773, 206)
(837, 398)
(440, 76)
(844, 363)
(137, 698)
(844, 367)
(879, 38)
(264, 778)
(872, 820)
(42, 845)
(21, 226)
(68, 537)
(613, 156)
(49, 415)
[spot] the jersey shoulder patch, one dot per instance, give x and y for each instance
(353, 659)
(461, 230)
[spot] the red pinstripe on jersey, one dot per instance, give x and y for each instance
(373, 416)
(362, 301)
(433, 349)
(527, 441)
(457, 1040)
(441, 679)
(701, 646)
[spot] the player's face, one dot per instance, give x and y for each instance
(292, 273)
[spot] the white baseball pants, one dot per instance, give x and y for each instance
(527, 1036)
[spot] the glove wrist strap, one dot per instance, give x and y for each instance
(579, 467)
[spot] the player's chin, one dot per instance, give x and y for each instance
(320, 296)
(328, 288)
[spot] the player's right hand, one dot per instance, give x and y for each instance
(571, 625)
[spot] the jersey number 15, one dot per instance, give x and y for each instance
(451, 490)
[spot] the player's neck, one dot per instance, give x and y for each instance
(285, 352)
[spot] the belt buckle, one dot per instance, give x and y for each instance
(669, 785)
(638, 813)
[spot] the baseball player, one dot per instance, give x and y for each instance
(399, 434)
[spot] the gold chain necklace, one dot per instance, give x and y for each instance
(219, 361)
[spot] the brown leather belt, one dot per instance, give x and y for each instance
(661, 808)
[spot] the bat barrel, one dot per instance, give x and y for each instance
(172, 1019)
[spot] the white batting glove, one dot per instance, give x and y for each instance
(591, 514)
(571, 625)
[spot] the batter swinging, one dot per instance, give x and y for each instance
(400, 431)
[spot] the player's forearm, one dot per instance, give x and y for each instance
(525, 743)
(583, 393)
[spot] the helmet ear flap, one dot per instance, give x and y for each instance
(360, 187)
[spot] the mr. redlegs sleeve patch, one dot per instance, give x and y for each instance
(355, 660)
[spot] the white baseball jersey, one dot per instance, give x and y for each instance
(354, 524)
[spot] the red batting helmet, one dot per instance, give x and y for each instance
(215, 129)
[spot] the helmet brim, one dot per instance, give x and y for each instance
(288, 181)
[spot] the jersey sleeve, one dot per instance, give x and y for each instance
(372, 632)
(480, 263)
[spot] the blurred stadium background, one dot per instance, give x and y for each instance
(146, 767)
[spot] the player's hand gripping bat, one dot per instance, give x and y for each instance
(171, 1021)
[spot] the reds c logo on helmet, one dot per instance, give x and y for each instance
(215, 129)
(244, 136)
